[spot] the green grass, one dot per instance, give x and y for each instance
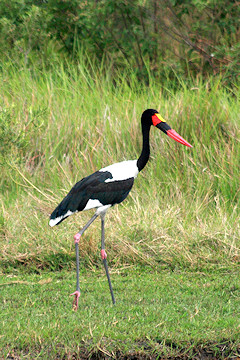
(164, 313)
(61, 124)
(181, 219)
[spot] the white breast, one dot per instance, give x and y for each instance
(122, 171)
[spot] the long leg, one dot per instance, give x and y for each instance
(77, 237)
(104, 256)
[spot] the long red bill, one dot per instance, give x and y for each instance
(175, 136)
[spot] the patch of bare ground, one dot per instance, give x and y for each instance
(227, 350)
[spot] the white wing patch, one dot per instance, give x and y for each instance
(122, 171)
(54, 222)
(92, 203)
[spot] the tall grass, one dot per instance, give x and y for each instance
(61, 123)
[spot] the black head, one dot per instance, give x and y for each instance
(152, 117)
(147, 116)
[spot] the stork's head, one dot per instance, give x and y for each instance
(152, 117)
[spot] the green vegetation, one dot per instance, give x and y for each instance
(62, 124)
(158, 314)
(164, 36)
(180, 220)
(75, 78)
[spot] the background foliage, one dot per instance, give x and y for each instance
(166, 37)
(67, 64)
(75, 77)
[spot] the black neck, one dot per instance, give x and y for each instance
(143, 158)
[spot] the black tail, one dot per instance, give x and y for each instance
(61, 212)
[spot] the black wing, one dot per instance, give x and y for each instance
(93, 187)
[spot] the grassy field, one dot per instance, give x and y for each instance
(157, 314)
(173, 246)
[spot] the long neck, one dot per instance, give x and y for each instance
(143, 158)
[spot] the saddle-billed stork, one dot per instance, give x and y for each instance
(107, 187)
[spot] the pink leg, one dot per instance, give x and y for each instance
(104, 257)
(75, 300)
(77, 238)
(103, 254)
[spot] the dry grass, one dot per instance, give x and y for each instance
(62, 124)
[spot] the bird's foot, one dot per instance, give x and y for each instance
(77, 238)
(103, 254)
(76, 295)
